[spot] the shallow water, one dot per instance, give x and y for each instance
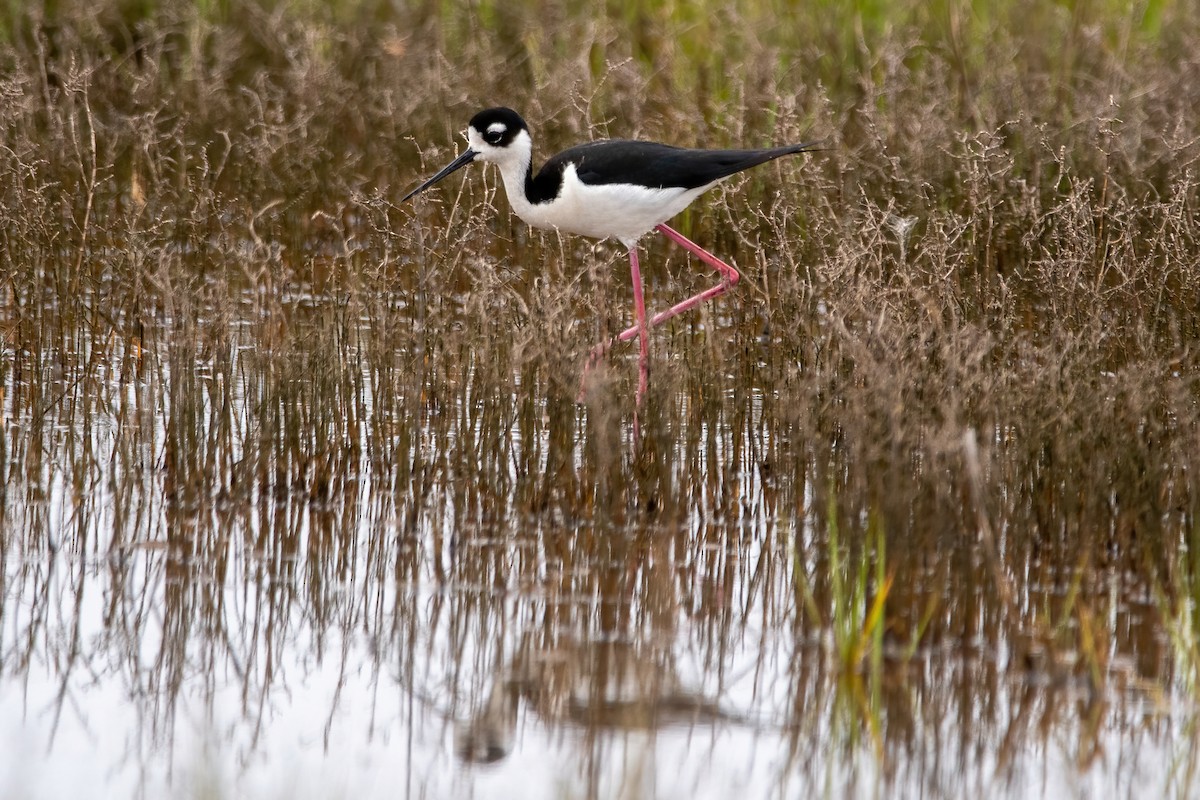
(324, 563)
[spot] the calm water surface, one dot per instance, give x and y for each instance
(328, 569)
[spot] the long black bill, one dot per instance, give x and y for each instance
(457, 164)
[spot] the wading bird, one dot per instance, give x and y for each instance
(605, 189)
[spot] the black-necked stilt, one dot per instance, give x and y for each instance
(609, 189)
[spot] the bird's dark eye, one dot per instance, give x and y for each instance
(494, 135)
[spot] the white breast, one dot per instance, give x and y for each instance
(624, 212)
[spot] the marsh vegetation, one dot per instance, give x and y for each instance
(296, 499)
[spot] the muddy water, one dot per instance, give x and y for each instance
(276, 550)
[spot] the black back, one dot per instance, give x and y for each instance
(660, 166)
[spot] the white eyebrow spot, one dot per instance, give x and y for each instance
(497, 127)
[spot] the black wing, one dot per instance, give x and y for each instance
(652, 164)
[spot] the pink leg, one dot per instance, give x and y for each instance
(639, 305)
(729, 276)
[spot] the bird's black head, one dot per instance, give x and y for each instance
(498, 135)
(498, 127)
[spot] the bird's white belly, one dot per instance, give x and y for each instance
(621, 211)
